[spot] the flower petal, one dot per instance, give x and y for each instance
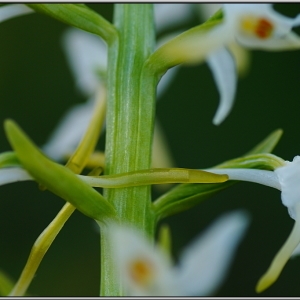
(282, 256)
(169, 14)
(222, 65)
(13, 10)
(86, 54)
(166, 81)
(69, 131)
(288, 177)
(204, 264)
(10, 175)
(144, 269)
(263, 177)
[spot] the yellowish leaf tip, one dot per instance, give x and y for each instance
(265, 282)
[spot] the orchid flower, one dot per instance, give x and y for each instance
(254, 26)
(147, 271)
(13, 10)
(285, 179)
(220, 62)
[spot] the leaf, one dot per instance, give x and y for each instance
(185, 196)
(268, 144)
(57, 178)
(80, 16)
(191, 46)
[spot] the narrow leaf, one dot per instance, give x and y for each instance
(268, 144)
(58, 179)
(186, 196)
(80, 16)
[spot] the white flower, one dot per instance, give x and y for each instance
(286, 179)
(13, 10)
(220, 61)
(258, 26)
(147, 271)
(254, 26)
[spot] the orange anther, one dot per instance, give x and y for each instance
(263, 28)
(141, 271)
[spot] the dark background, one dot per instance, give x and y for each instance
(36, 88)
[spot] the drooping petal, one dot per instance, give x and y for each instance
(10, 175)
(169, 14)
(223, 69)
(13, 10)
(69, 131)
(87, 55)
(143, 268)
(205, 263)
(282, 256)
(166, 81)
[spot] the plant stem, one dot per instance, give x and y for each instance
(130, 121)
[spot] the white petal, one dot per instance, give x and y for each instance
(289, 178)
(167, 15)
(13, 10)
(223, 68)
(10, 175)
(69, 131)
(166, 80)
(205, 263)
(290, 41)
(131, 249)
(282, 256)
(86, 53)
(268, 178)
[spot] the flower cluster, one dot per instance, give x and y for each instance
(223, 41)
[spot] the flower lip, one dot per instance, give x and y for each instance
(262, 28)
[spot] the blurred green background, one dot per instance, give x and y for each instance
(37, 87)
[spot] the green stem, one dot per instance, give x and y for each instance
(130, 122)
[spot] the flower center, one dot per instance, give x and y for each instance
(141, 271)
(260, 27)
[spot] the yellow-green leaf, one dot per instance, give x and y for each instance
(57, 178)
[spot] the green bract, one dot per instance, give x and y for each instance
(58, 179)
(184, 48)
(80, 16)
(185, 196)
